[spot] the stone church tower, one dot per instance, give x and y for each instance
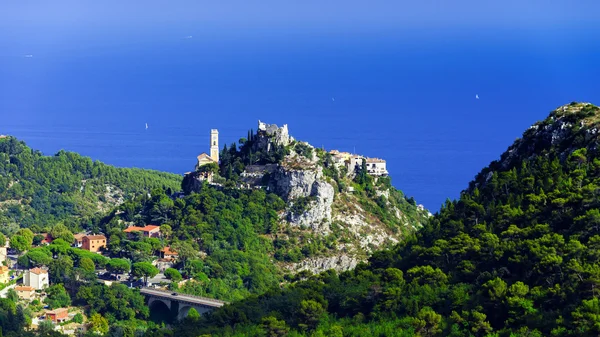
(214, 145)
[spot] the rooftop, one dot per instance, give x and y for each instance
(38, 271)
(375, 160)
(133, 229)
(168, 251)
(147, 228)
(204, 156)
(24, 288)
(95, 237)
(57, 311)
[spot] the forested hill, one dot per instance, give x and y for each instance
(44, 190)
(517, 255)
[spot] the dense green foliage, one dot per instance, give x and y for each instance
(228, 227)
(45, 190)
(517, 255)
(251, 152)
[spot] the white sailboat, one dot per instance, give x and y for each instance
(146, 126)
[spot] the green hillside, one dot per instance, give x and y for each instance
(516, 255)
(38, 190)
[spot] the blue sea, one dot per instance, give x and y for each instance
(405, 96)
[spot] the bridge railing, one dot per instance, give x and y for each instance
(208, 299)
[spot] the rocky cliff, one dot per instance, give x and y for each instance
(322, 202)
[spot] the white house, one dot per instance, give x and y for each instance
(36, 278)
(376, 167)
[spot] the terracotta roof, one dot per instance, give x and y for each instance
(47, 237)
(24, 288)
(95, 237)
(375, 160)
(147, 228)
(78, 236)
(133, 229)
(38, 271)
(57, 311)
(168, 251)
(3, 269)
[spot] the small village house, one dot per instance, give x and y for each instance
(149, 231)
(47, 239)
(4, 274)
(36, 278)
(93, 243)
(168, 253)
(163, 264)
(78, 241)
(376, 167)
(58, 315)
(25, 292)
(167, 259)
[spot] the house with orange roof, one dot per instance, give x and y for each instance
(47, 238)
(93, 243)
(168, 253)
(149, 231)
(58, 315)
(25, 292)
(78, 242)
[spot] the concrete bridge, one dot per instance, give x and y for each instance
(180, 304)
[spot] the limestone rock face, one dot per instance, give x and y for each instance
(294, 185)
(320, 264)
(279, 135)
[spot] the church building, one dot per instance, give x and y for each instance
(204, 158)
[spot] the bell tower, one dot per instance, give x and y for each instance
(214, 145)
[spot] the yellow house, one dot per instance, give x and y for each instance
(4, 274)
(25, 292)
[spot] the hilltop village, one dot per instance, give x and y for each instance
(280, 136)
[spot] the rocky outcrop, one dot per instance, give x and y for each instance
(368, 235)
(294, 185)
(279, 135)
(254, 175)
(320, 264)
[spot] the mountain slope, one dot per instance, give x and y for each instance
(44, 190)
(324, 199)
(516, 255)
(273, 207)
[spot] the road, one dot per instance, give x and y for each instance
(4, 291)
(183, 297)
